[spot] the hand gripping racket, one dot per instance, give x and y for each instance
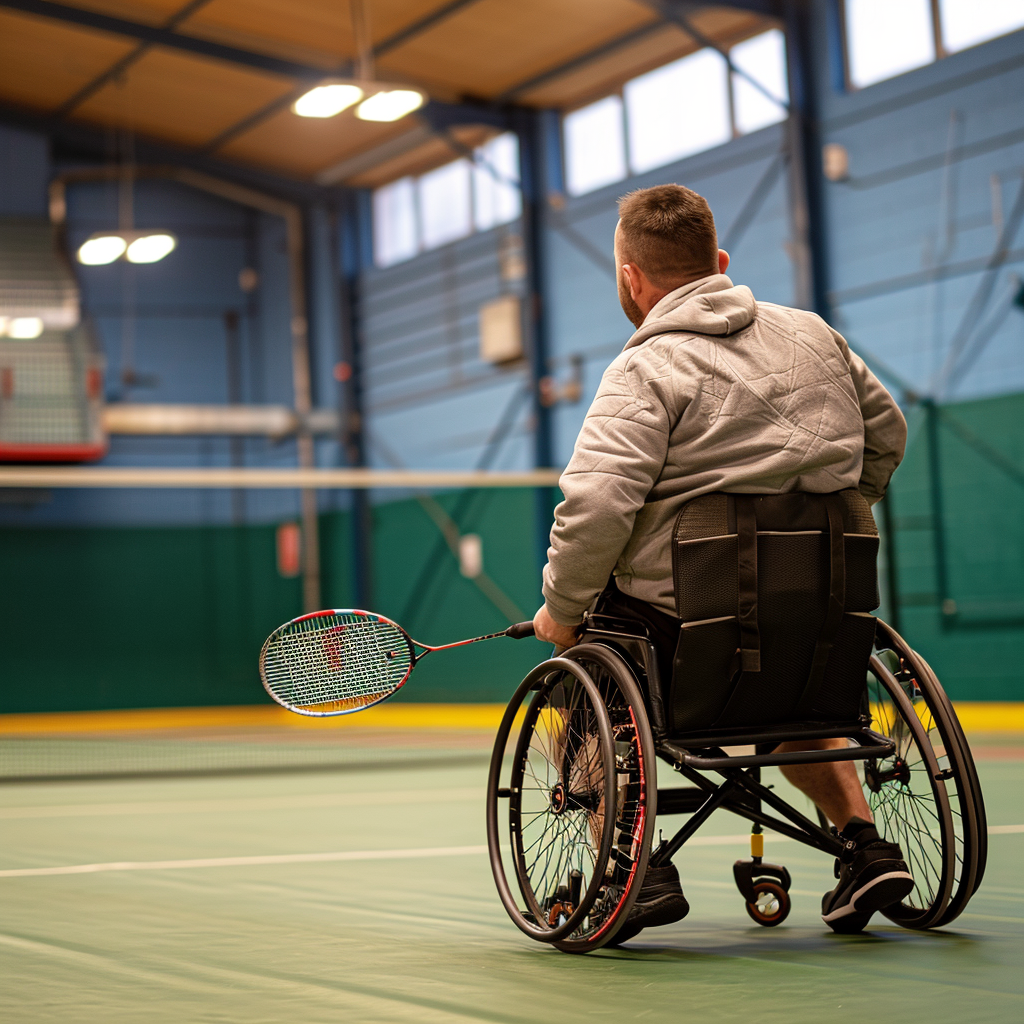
(338, 661)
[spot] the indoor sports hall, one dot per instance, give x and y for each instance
(306, 306)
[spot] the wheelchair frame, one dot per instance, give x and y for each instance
(763, 886)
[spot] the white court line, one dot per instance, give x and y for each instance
(297, 800)
(346, 855)
(234, 862)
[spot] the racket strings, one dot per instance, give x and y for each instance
(336, 662)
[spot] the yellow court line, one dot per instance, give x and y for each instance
(383, 716)
(975, 716)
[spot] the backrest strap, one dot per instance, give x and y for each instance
(836, 604)
(746, 544)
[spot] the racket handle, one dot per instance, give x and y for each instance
(520, 630)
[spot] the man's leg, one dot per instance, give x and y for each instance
(871, 872)
(833, 786)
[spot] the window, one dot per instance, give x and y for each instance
(595, 150)
(445, 203)
(886, 38)
(763, 58)
(394, 222)
(448, 203)
(968, 22)
(496, 196)
(675, 111)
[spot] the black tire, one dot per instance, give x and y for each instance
(909, 800)
(637, 802)
(561, 839)
(958, 775)
(772, 905)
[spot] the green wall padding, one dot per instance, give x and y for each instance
(975, 645)
(98, 618)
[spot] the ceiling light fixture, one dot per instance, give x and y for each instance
(136, 246)
(390, 105)
(101, 249)
(24, 328)
(328, 99)
(150, 248)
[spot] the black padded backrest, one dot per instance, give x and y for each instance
(774, 593)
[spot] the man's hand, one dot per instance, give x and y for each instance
(545, 628)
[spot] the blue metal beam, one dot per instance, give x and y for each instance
(168, 38)
(356, 244)
(94, 144)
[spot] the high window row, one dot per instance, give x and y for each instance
(412, 215)
(685, 107)
(885, 38)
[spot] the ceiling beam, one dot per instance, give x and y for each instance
(93, 143)
(119, 67)
(159, 36)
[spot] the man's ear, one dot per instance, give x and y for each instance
(634, 278)
(723, 261)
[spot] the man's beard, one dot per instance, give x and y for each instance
(629, 307)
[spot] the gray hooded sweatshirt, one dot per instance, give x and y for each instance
(714, 392)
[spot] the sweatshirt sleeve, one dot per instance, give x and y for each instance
(619, 455)
(885, 429)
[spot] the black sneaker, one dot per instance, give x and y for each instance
(872, 875)
(660, 901)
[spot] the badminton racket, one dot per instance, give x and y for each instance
(343, 660)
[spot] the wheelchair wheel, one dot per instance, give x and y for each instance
(583, 749)
(956, 773)
(772, 905)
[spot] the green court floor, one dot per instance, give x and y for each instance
(249, 929)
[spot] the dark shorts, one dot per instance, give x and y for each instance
(664, 628)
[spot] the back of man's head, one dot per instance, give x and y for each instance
(668, 231)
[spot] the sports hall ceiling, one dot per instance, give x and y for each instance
(218, 77)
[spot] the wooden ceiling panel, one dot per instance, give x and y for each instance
(302, 146)
(310, 30)
(42, 64)
(492, 45)
(181, 98)
(606, 74)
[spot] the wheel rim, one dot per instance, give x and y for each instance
(909, 803)
(958, 775)
(561, 786)
(635, 797)
(534, 920)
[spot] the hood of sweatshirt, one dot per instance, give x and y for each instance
(710, 305)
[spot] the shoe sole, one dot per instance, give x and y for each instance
(667, 910)
(880, 892)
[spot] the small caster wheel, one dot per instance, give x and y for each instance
(772, 905)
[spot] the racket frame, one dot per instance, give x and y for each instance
(374, 617)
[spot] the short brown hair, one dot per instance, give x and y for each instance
(668, 231)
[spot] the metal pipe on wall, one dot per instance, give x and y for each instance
(291, 213)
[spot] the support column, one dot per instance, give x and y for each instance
(540, 171)
(356, 256)
(806, 180)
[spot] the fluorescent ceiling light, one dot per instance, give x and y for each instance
(101, 249)
(24, 327)
(327, 100)
(390, 105)
(150, 248)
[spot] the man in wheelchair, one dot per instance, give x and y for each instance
(717, 394)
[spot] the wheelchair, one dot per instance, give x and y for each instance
(776, 645)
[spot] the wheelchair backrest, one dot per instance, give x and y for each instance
(774, 593)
